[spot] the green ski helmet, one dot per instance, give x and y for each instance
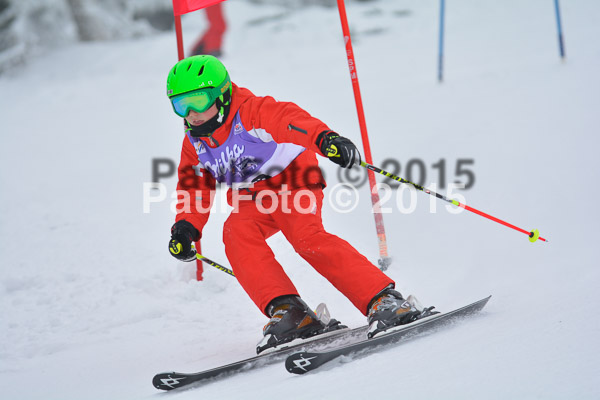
(196, 83)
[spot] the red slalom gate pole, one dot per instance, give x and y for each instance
(181, 56)
(179, 35)
(384, 260)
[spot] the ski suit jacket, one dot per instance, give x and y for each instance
(267, 120)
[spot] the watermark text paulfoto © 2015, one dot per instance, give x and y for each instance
(415, 170)
(342, 197)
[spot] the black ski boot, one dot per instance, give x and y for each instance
(291, 319)
(389, 309)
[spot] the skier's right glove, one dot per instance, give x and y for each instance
(338, 149)
(182, 235)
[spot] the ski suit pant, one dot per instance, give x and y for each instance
(297, 214)
(212, 38)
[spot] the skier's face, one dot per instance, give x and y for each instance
(195, 118)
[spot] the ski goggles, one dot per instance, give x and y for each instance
(198, 100)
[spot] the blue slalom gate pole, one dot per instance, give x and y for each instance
(561, 43)
(441, 43)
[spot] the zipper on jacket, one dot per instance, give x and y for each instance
(295, 128)
(213, 142)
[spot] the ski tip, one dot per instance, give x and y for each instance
(478, 305)
(484, 301)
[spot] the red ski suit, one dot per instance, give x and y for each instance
(293, 207)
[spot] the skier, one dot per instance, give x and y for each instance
(264, 150)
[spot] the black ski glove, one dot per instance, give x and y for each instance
(182, 235)
(338, 149)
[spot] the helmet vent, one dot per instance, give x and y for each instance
(201, 70)
(189, 66)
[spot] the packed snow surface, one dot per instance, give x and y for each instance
(92, 305)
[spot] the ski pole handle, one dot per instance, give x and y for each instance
(534, 235)
(176, 248)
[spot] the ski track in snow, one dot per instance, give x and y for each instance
(92, 305)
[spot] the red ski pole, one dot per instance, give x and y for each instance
(384, 260)
(533, 235)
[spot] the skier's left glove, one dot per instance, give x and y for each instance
(338, 149)
(183, 234)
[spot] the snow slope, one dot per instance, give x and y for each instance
(92, 305)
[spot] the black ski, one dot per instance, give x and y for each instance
(174, 380)
(303, 362)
